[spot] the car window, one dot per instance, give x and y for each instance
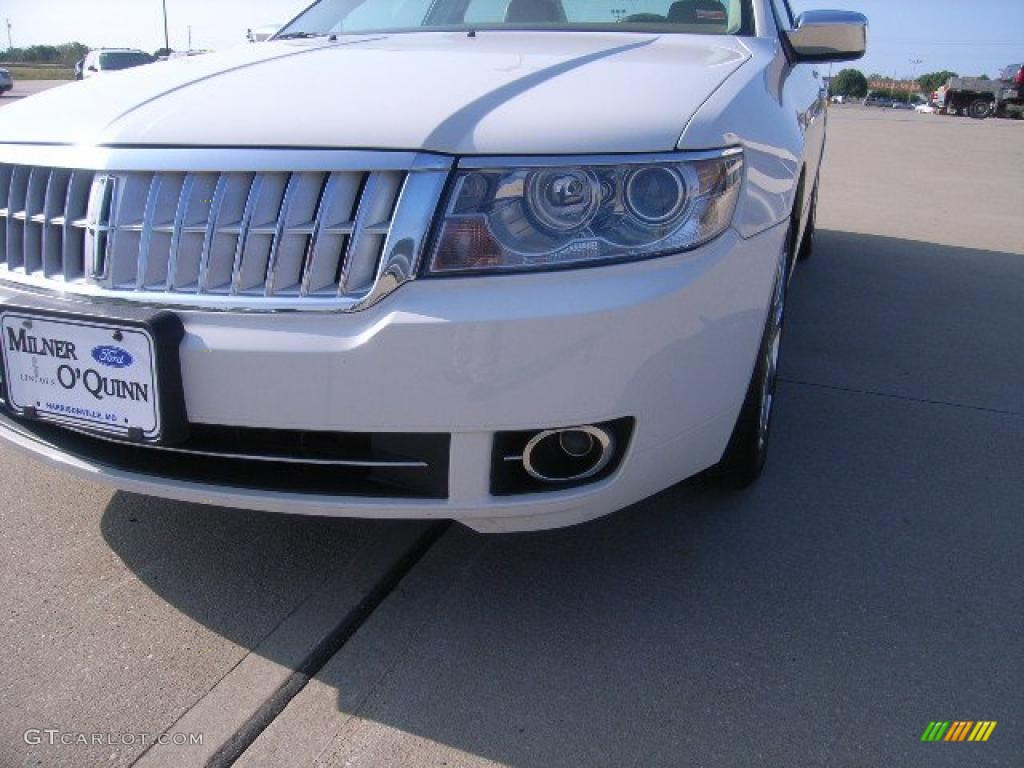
(717, 17)
(114, 60)
(386, 14)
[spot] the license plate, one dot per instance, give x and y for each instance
(99, 374)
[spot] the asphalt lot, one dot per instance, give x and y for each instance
(23, 88)
(870, 583)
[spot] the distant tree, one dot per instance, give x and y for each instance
(983, 77)
(850, 82)
(67, 54)
(935, 80)
(876, 76)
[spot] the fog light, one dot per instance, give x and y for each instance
(567, 455)
(557, 458)
(576, 442)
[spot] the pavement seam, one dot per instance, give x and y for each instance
(243, 738)
(905, 398)
(374, 693)
(284, 620)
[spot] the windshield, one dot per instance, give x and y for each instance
(124, 60)
(338, 17)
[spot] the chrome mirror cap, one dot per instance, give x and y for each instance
(829, 36)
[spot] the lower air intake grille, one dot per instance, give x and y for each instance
(387, 465)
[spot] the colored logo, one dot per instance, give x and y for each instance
(112, 357)
(958, 730)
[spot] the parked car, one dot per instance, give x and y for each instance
(877, 100)
(925, 109)
(547, 281)
(6, 81)
(109, 60)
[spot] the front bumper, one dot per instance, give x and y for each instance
(668, 342)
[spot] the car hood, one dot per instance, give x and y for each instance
(496, 92)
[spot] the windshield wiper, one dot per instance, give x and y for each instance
(300, 35)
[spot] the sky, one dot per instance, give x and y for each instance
(971, 37)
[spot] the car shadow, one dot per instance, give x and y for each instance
(236, 572)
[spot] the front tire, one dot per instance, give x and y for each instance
(980, 109)
(745, 456)
(807, 245)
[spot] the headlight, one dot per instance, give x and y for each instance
(513, 219)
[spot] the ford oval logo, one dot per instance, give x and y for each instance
(112, 357)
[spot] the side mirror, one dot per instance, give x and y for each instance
(93, 69)
(829, 36)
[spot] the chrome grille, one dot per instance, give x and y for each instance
(261, 240)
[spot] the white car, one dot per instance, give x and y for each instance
(517, 264)
(107, 60)
(925, 109)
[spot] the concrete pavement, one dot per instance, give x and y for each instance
(122, 613)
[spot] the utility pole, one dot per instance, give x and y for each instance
(10, 45)
(915, 63)
(190, 37)
(167, 37)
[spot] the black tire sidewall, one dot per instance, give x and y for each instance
(807, 243)
(979, 109)
(746, 454)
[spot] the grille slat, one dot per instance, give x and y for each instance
(251, 204)
(127, 217)
(146, 235)
(17, 190)
(290, 195)
(177, 230)
(35, 201)
(76, 206)
(375, 207)
(220, 194)
(327, 247)
(53, 216)
(252, 270)
(6, 171)
(292, 246)
(304, 239)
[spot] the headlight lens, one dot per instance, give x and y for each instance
(514, 219)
